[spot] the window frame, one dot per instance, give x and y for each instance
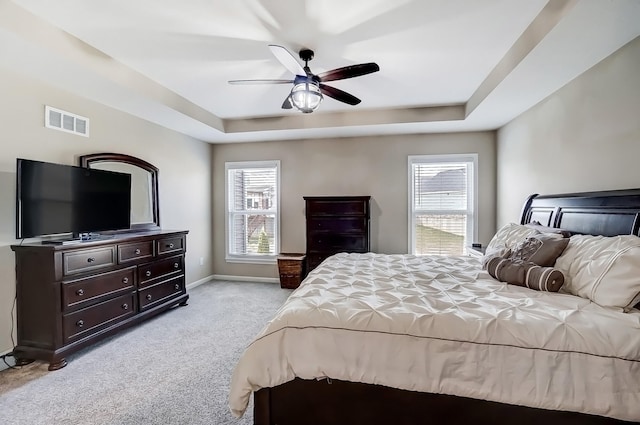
(472, 204)
(229, 214)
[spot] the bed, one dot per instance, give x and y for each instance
(381, 339)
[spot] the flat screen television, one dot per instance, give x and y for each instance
(56, 199)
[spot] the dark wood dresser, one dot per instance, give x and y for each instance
(71, 296)
(336, 224)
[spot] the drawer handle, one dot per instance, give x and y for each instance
(177, 286)
(148, 273)
(80, 292)
(125, 280)
(137, 251)
(125, 306)
(149, 297)
(176, 265)
(80, 323)
(170, 246)
(90, 260)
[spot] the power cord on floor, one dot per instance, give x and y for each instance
(13, 342)
(4, 359)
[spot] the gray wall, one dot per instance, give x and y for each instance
(184, 164)
(375, 166)
(584, 137)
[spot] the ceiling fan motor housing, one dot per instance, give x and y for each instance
(306, 54)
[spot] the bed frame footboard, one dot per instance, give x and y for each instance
(325, 402)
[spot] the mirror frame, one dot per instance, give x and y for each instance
(87, 160)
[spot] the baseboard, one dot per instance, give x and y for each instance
(245, 278)
(199, 282)
(233, 279)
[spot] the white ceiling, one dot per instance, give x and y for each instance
(445, 65)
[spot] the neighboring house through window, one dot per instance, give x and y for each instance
(442, 203)
(252, 211)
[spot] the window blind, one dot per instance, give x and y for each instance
(252, 209)
(442, 205)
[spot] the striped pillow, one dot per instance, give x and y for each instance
(527, 274)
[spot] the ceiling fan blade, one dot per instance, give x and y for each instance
(339, 95)
(287, 59)
(287, 103)
(349, 71)
(260, 81)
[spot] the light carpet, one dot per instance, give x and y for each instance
(172, 369)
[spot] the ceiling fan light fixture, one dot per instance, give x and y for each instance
(306, 97)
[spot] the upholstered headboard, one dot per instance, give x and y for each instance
(607, 213)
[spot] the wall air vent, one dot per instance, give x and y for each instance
(66, 121)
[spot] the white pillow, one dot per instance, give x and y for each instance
(509, 235)
(605, 270)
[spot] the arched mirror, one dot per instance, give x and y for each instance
(145, 213)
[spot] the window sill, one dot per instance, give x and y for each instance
(262, 259)
(475, 252)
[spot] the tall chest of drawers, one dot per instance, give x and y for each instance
(71, 296)
(336, 224)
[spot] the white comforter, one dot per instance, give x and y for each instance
(442, 325)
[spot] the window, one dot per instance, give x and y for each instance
(442, 203)
(252, 211)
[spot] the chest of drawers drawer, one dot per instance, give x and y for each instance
(156, 294)
(87, 260)
(338, 225)
(169, 245)
(161, 269)
(102, 315)
(314, 260)
(79, 293)
(341, 207)
(336, 242)
(135, 251)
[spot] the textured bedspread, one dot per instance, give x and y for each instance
(442, 325)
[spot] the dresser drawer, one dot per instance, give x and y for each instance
(332, 242)
(314, 260)
(337, 207)
(81, 292)
(149, 273)
(169, 245)
(341, 225)
(88, 260)
(161, 292)
(89, 320)
(135, 251)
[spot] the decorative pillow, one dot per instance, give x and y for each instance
(605, 270)
(542, 249)
(499, 252)
(526, 274)
(510, 235)
(546, 229)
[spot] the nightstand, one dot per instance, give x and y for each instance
(477, 252)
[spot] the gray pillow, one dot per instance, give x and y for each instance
(526, 274)
(542, 249)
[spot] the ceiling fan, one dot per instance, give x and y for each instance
(308, 87)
